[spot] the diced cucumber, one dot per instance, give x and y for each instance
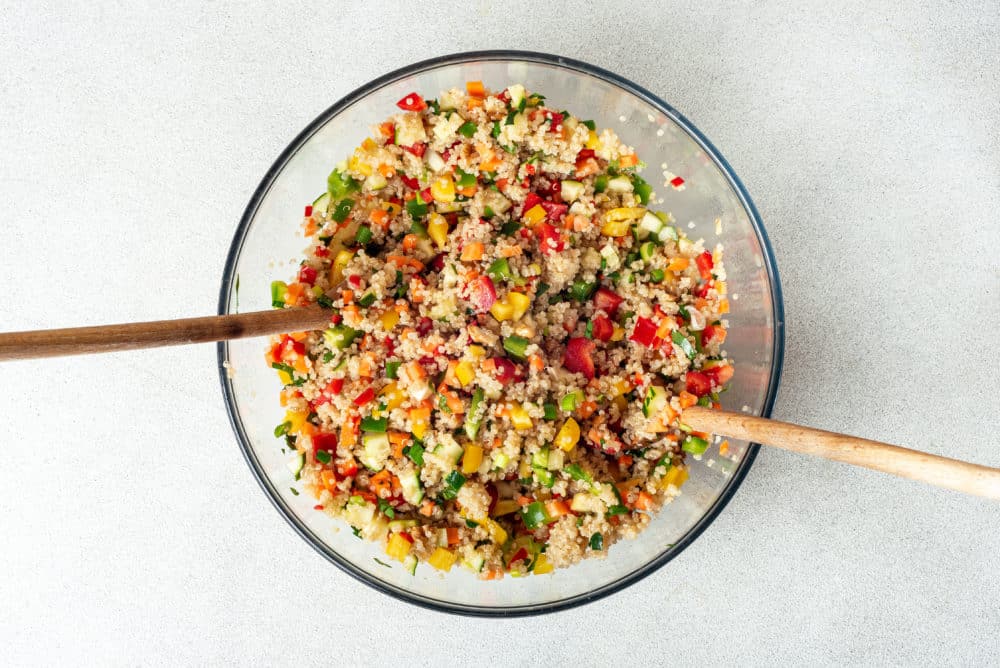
(655, 402)
(571, 190)
(474, 562)
(359, 514)
(473, 419)
(442, 537)
(395, 526)
(620, 184)
(647, 250)
(449, 450)
(541, 458)
(556, 459)
(435, 161)
(376, 181)
(544, 476)
(500, 460)
(322, 203)
(376, 450)
(668, 233)
(296, 463)
(611, 260)
(516, 93)
(413, 491)
(584, 502)
(410, 564)
(650, 224)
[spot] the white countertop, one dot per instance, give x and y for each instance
(130, 141)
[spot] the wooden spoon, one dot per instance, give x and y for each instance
(111, 338)
(941, 471)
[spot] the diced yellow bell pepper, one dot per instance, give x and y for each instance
(357, 165)
(620, 387)
(502, 310)
(297, 420)
(524, 468)
(675, 476)
(534, 215)
(317, 291)
(437, 229)
(392, 396)
(339, 264)
(284, 377)
(369, 144)
(464, 373)
(520, 418)
(625, 213)
(389, 319)
(505, 507)
(620, 403)
(568, 436)
(497, 533)
(520, 303)
(472, 458)
(616, 228)
(442, 559)
(618, 333)
(443, 189)
(476, 352)
(720, 287)
(542, 565)
(392, 207)
(592, 141)
(398, 547)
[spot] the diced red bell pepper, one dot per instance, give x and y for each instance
(506, 371)
(705, 264)
(309, 210)
(677, 182)
(554, 191)
(409, 182)
(702, 290)
(644, 333)
(290, 345)
(426, 195)
(584, 154)
(709, 333)
(365, 397)
(446, 154)
(719, 375)
(321, 251)
(334, 387)
(307, 274)
(555, 212)
(603, 328)
(578, 357)
(549, 239)
(412, 102)
(557, 120)
(437, 262)
(424, 326)
(530, 202)
(417, 149)
(482, 294)
(347, 469)
(522, 553)
(698, 383)
(607, 301)
(354, 280)
(323, 441)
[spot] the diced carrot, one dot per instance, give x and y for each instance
(586, 167)
(455, 404)
(687, 399)
(412, 372)
(365, 367)
(724, 448)
(347, 296)
(386, 170)
(349, 432)
(700, 303)
(643, 501)
(311, 227)
(490, 165)
(556, 508)
(386, 129)
(410, 242)
(329, 479)
(473, 251)
(351, 315)
(678, 264)
(428, 508)
(453, 537)
(492, 574)
(299, 364)
(379, 217)
(473, 102)
(724, 306)
(293, 295)
(625, 461)
(536, 362)
(501, 183)
(475, 88)
(489, 366)
(628, 160)
(523, 500)
(449, 375)
(510, 251)
(404, 261)
(587, 409)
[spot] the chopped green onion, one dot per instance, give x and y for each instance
(340, 184)
(278, 293)
(473, 419)
(418, 229)
(576, 472)
(590, 124)
(570, 401)
(386, 510)
(282, 429)
(641, 189)
(597, 542)
(544, 477)
(323, 457)
(416, 453)
(657, 275)
(694, 445)
(467, 129)
(542, 289)
(647, 250)
(377, 425)
(471, 524)
(324, 301)
(367, 300)
(392, 369)
(416, 207)
(516, 346)
(681, 342)
(617, 509)
(340, 336)
(294, 491)
(550, 410)
(588, 331)
(601, 183)
(704, 401)
(581, 290)
(342, 210)
(534, 515)
(453, 483)
(282, 367)
(510, 227)
(364, 235)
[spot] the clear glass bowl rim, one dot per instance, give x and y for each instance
(229, 276)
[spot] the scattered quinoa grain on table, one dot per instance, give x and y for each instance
(512, 338)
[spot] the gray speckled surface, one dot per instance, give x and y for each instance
(131, 140)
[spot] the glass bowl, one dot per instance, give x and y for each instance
(712, 204)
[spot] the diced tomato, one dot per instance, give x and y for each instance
(644, 333)
(424, 326)
(482, 294)
(412, 102)
(709, 333)
(554, 190)
(519, 555)
(426, 195)
(309, 210)
(702, 290)
(705, 264)
(417, 149)
(446, 154)
(506, 371)
(530, 170)
(365, 397)
(409, 182)
(290, 345)
(347, 469)
(549, 239)
(323, 441)
(719, 375)
(307, 274)
(578, 356)
(603, 328)
(698, 383)
(607, 301)
(335, 319)
(585, 153)
(504, 96)
(555, 212)
(530, 202)
(321, 251)
(354, 280)
(556, 118)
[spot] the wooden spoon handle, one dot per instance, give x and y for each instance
(110, 338)
(941, 471)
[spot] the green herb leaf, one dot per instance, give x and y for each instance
(597, 542)
(323, 457)
(416, 452)
(282, 429)
(386, 509)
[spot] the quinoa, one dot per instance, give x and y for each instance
(513, 336)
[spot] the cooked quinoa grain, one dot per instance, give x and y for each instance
(513, 335)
